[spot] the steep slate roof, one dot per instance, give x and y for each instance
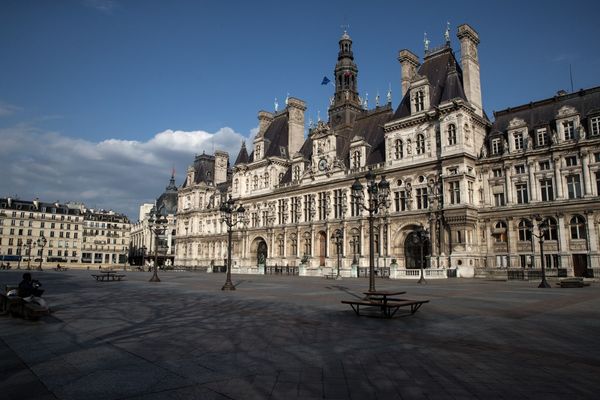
(242, 157)
(167, 202)
(369, 125)
(276, 136)
(544, 112)
(436, 68)
(29, 206)
(204, 165)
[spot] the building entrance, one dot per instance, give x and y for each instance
(580, 264)
(412, 251)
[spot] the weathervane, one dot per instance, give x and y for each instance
(426, 42)
(447, 33)
(287, 99)
(345, 27)
(389, 94)
(377, 99)
(276, 105)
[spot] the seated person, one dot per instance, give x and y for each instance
(29, 287)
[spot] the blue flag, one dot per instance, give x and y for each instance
(325, 81)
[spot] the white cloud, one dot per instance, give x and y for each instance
(8, 109)
(113, 174)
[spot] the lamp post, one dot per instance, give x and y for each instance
(338, 237)
(378, 200)
(421, 235)
(143, 256)
(42, 243)
(227, 209)
(542, 229)
(157, 223)
(125, 255)
(354, 242)
(28, 245)
(19, 252)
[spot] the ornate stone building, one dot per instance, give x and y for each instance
(474, 185)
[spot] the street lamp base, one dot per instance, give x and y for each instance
(228, 286)
(154, 278)
(422, 280)
(338, 278)
(544, 284)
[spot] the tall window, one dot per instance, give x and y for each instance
(306, 243)
(500, 232)
(518, 140)
(400, 200)
(266, 178)
(524, 231)
(280, 244)
(571, 161)
(338, 203)
(578, 227)
(399, 149)
(499, 199)
(522, 195)
(356, 159)
(569, 129)
(451, 134)
(497, 172)
(542, 137)
(294, 244)
(420, 145)
(255, 182)
(520, 169)
(545, 165)
(598, 183)
(296, 209)
(595, 126)
(552, 231)
(470, 192)
(573, 187)
(296, 173)
(547, 190)
(419, 101)
(322, 206)
(454, 192)
(355, 208)
(282, 203)
(422, 198)
(307, 208)
(496, 146)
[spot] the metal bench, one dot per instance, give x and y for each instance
(387, 309)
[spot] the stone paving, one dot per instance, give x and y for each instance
(289, 337)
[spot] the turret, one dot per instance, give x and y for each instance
(469, 40)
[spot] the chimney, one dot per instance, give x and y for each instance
(264, 120)
(469, 39)
(221, 158)
(295, 109)
(409, 63)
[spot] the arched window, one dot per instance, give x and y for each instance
(280, 244)
(451, 134)
(266, 179)
(296, 172)
(399, 149)
(255, 182)
(293, 245)
(552, 231)
(280, 177)
(236, 185)
(524, 230)
(500, 232)
(420, 145)
(578, 227)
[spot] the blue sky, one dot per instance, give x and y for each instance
(99, 99)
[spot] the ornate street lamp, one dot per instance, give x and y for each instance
(29, 244)
(542, 229)
(421, 235)
(378, 200)
(19, 252)
(42, 243)
(227, 209)
(143, 250)
(157, 223)
(338, 238)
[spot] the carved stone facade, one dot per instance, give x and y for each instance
(470, 182)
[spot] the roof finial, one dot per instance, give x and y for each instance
(377, 99)
(276, 105)
(318, 115)
(389, 94)
(447, 33)
(310, 123)
(287, 99)
(366, 105)
(426, 42)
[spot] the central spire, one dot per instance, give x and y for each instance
(346, 73)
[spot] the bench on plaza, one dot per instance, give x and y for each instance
(108, 277)
(576, 282)
(387, 309)
(330, 276)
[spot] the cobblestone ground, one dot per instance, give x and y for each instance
(289, 337)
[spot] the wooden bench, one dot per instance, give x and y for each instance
(387, 309)
(572, 283)
(330, 276)
(108, 277)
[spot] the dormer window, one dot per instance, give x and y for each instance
(356, 159)
(451, 135)
(296, 172)
(595, 126)
(542, 137)
(518, 140)
(496, 146)
(419, 101)
(569, 130)
(399, 149)
(420, 145)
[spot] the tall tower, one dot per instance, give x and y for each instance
(469, 39)
(345, 105)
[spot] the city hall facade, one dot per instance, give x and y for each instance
(481, 189)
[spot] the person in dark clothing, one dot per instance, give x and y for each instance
(29, 287)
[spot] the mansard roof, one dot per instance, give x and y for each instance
(369, 125)
(444, 76)
(544, 112)
(242, 157)
(167, 202)
(204, 165)
(37, 206)
(276, 137)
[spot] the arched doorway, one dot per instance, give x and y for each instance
(412, 251)
(322, 248)
(259, 251)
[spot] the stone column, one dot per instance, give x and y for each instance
(558, 178)
(562, 240)
(508, 184)
(511, 238)
(587, 182)
(533, 195)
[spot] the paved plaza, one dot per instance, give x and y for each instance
(289, 337)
